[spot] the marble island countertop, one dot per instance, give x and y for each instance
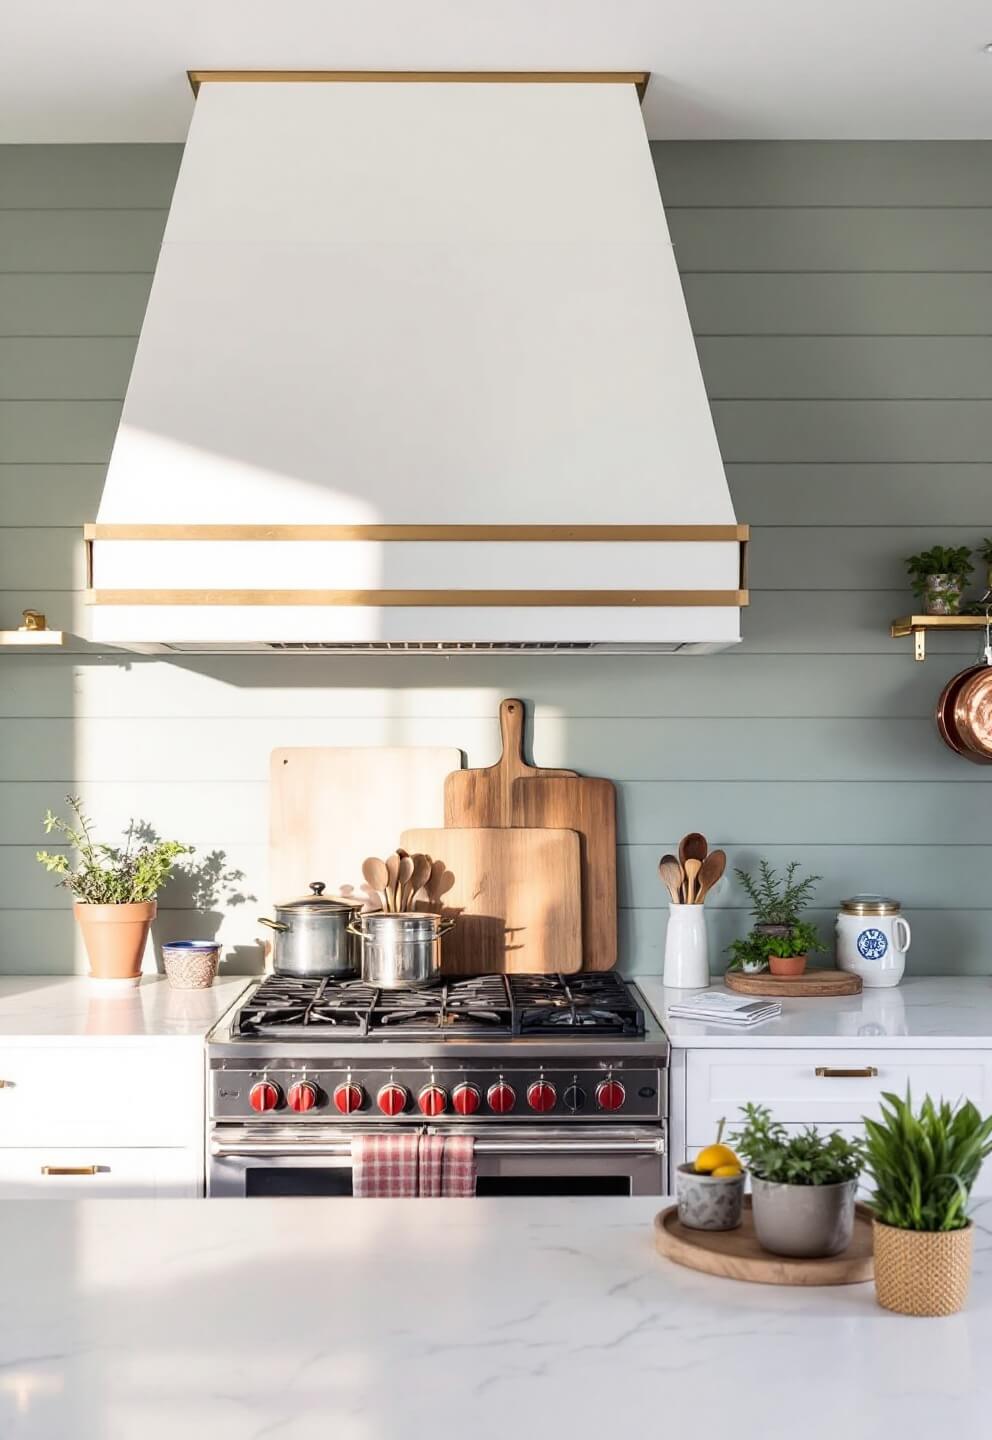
(924, 1012)
(71, 1007)
(424, 1320)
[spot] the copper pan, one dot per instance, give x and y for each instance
(944, 714)
(972, 716)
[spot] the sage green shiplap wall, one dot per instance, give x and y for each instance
(842, 299)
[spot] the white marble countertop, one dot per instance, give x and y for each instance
(424, 1320)
(923, 1013)
(67, 1007)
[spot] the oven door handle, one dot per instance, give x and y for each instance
(256, 1148)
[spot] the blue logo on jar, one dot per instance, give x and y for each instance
(872, 944)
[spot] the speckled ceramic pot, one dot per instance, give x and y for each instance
(708, 1202)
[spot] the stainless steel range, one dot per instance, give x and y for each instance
(560, 1079)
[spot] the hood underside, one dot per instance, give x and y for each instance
(417, 373)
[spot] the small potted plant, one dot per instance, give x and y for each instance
(802, 1186)
(114, 889)
(777, 902)
(749, 955)
(939, 577)
(985, 555)
(924, 1166)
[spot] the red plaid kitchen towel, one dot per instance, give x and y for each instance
(458, 1167)
(385, 1167)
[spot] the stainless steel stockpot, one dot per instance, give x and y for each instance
(400, 950)
(312, 938)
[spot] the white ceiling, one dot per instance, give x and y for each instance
(105, 70)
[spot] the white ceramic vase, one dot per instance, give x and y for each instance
(687, 951)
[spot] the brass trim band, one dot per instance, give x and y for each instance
(503, 533)
(638, 78)
(501, 599)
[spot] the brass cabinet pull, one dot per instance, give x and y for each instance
(70, 1169)
(867, 1072)
(3, 1084)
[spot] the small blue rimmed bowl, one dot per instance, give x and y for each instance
(191, 964)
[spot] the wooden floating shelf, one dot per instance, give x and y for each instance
(919, 625)
(32, 639)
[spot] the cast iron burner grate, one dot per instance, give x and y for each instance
(481, 1005)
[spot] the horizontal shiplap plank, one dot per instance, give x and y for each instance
(51, 432)
(853, 430)
(843, 367)
(65, 368)
(203, 748)
(832, 239)
(840, 304)
(824, 172)
(50, 495)
(933, 495)
(57, 176)
(72, 304)
(97, 240)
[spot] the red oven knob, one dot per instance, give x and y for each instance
(541, 1096)
(466, 1099)
(263, 1096)
(432, 1100)
(610, 1095)
(301, 1095)
(392, 1099)
(501, 1097)
(349, 1098)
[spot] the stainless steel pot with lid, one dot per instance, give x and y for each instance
(312, 937)
(400, 950)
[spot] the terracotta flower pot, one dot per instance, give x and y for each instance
(115, 936)
(922, 1272)
(787, 966)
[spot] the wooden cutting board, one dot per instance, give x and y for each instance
(485, 797)
(589, 807)
(814, 985)
(516, 898)
(329, 808)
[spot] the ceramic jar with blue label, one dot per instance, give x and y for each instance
(872, 939)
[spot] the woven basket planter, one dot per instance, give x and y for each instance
(922, 1272)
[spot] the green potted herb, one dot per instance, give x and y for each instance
(924, 1166)
(939, 577)
(802, 1186)
(985, 555)
(749, 955)
(777, 902)
(114, 889)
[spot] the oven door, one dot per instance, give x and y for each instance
(250, 1161)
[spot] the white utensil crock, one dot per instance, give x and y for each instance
(687, 953)
(872, 939)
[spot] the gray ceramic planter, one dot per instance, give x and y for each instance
(709, 1202)
(808, 1221)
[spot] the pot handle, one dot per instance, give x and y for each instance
(272, 924)
(354, 929)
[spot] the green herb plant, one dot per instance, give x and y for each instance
(940, 560)
(925, 1164)
(985, 550)
(752, 951)
(777, 899)
(109, 874)
(807, 1158)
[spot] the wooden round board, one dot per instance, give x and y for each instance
(814, 985)
(736, 1254)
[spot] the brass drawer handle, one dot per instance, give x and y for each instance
(70, 1169)
(867, 1072)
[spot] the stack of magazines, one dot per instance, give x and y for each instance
(719, 1007)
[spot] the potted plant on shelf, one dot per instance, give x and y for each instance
(985, 555)
(114, 889)
(939, 577)
(924, 1166)
(802, 1186)
(777, 902)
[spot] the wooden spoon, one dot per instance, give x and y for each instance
(671, 873)
(377, 877)
(692, 869)
(392, 875)
(710, 872)
(693, 847)
(403, 878)
(421, 870)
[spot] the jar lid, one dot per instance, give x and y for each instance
(870, 905)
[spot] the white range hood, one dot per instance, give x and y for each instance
(416, 372)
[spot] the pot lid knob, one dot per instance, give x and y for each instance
(317, 887)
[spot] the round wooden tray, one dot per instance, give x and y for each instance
(814, 985)
(736, 1254)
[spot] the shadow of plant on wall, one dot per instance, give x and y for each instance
(192, 905)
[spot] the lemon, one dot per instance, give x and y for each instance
(726, 1172)
(713, 1157)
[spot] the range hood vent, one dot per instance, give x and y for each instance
(416, 375)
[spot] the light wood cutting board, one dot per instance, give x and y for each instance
(330, 807)
(516, 897)
(485, 797)
(589, 807)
